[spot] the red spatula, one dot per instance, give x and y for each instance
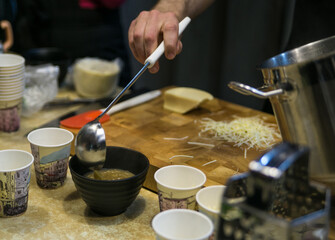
(80, 120)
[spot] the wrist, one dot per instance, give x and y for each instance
(178, 7)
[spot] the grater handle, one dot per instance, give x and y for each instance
(160, 49)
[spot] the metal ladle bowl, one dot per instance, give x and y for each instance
(90, 143)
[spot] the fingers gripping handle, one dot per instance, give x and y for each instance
(160, 49)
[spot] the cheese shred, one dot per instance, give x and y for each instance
(249, 132)
(177, 139)
(186, 156)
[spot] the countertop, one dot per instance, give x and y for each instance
(61, 213)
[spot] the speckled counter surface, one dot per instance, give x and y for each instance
(61, 213)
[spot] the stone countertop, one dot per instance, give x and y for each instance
(61, 213)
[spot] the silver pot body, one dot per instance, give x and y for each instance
(300, 84)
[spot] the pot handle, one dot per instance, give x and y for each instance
(247, 90)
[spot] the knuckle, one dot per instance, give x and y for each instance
(170, 26)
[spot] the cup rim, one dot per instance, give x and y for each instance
(20, 168)
(187, 211)
(50, 145)
(205, 189)
(11, 91)
(9, 70)
(12, 57)
(11, 77)
(12, 86)
(12, 96)
(180, 188)
(12, 83)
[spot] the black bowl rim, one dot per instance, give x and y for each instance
(113, 181)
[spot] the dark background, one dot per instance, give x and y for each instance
(225, 43)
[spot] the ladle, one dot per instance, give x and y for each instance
(90, 143)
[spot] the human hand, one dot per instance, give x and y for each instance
(148, 30)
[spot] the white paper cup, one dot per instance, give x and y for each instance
(51, 150)
(12, 84)
(9, 97)
(11, 61)
(182, 224)
(14, 178)
(11, 76)
(10, 91)
(12, 73)
(10, 103)
(209, 202)
(4, 88)
(177, 186)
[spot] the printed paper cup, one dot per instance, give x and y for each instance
(51, 150)
(177, 186)
(14, 181)
(10, 114)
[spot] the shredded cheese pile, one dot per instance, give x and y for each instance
(251, 132)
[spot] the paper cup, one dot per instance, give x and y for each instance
(11, 62)
(10, 111)
(10, 103)
(14, 181)
(9, 97)
(209, 202)
(177, 186)
(51, 150)
(182, 224)
(16, 82)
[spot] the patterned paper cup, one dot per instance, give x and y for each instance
(177, 186)
(51, 149)
(10, 111)
(14, 181)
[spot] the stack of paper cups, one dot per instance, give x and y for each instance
(11, 91)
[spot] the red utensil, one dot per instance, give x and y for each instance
(80, 120)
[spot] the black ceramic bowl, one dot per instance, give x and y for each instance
(111, 197)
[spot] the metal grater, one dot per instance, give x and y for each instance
(275, 199)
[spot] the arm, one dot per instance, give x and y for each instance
(161, 23)
(7, 27)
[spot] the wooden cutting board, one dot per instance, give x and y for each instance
(152, 130)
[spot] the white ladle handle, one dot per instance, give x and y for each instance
(160, 49)
(149, 62)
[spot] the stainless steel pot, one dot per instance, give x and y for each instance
(300, 84)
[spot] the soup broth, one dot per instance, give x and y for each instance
(110, 174)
